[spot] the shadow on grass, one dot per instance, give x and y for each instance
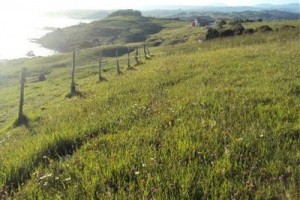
(103, 79)
(22, 120)
(120, 73)
(76, 94)
(131, 68)
(138, 63)
(63, 147)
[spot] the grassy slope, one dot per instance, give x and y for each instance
(176, 33)
(212, 120)
(113, 30)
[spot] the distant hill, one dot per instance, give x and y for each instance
(217, 14)
(115, 29)
(167, 11)
(264, 11)
(293, 7)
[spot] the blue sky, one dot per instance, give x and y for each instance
(114, 4)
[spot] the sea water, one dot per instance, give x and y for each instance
(20, 28)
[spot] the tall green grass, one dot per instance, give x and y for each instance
(215, 120)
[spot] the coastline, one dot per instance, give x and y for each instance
(16, 44)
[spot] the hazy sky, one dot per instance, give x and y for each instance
(113, 4)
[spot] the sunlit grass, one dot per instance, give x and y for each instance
(216, 120)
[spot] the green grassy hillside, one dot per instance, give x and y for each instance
(111, 30)
(212, 120)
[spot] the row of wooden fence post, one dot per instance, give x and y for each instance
(137, 60)
(73, 84)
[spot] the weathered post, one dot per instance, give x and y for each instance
(23, 76)
(73, 86)
(148, 50)
(118, 64)
(100, 66)
(145, 52)
(128, 58)
(137, 55)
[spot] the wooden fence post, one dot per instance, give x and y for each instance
(100, 66)
(148, 50)
(23, 76)
(137, 55)
(118, 64)
(145, 52)
(73, 86)
(128, 58)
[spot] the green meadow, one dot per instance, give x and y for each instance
(218, 119)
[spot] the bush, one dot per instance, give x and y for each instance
(219, 24)
(287, 27)
(156, 43)
(233, 22)
(226, 33)
(264, 28)
(249, 20)
(42, 77)
(212, 33)
(248, 31)
(238, 29)
(175, 41)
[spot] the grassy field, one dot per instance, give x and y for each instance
(212, 120)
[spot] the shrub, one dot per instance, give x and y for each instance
(248, 31)
(175, 41)
(238, 29)
(212, 33)
(156, 43)
(287, 27)
(264, 28)
(249, 20)
(42, 77)
(233, 22)
(226, 33)
(219, 24)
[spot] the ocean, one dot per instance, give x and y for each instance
(19, 29)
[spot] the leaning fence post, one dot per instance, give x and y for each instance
(73, 86)
(23, 76)
(118, 64)
(137, 55)
(128, 58)
(100, 66)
